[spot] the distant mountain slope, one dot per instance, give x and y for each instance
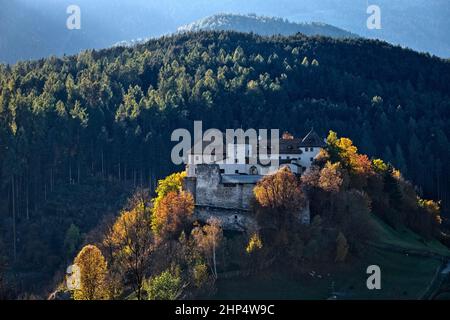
(31, 29)
(264, 26)
(261, 25)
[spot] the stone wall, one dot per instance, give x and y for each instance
(190, 185)
(210, 191)
(231, 219)
(230, 203)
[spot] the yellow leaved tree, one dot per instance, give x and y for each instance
(93, 272)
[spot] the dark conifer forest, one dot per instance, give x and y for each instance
(79, 133)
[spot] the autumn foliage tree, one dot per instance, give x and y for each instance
(165, 286)
(254, 244)
(279, 202)
(131, 243)
(330, 178)
(93, 271)
(208, 239)
(282, 197)
(173, 213)
(171, 184)
(172, 207)
(343, 150)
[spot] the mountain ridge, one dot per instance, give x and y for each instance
(416, 24)
(252, 23)
(263, 25)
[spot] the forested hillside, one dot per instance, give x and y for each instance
(105, 117)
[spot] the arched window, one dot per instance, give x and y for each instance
(253, 171)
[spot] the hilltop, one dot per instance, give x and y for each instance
(263, 26)
(252, 23)
(108, 115)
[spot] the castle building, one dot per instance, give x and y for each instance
(224, 189)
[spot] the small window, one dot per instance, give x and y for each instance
(312, 149)
(222, 170)
(196, 158)
(229, 185)
(312, 159)
(236, 171)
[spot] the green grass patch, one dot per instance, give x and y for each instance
(406, 239)
(274, 287)
(402, 276)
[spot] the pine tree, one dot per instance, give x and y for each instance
(305, 62)
(400, 160)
